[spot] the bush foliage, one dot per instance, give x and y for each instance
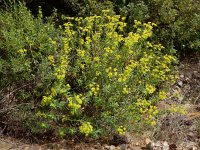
(103, 77)
(24, 49)
(177, 20)
(90, 76)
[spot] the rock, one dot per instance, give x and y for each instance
(137, 144)
(107, 147)
(180, 83)
(96, 146)
(192, 127)
(165, 146)
(111, 147)
(119, 139)
(181, 98)
(128, 138)
(182, 66)
(196, 74)
(187, 80)
(173, 146)
(182, 76)
(147, 141)
(123, 147)
(191, 136)
(134, 148)
(92, 148)
(189, 146)
(159, 145)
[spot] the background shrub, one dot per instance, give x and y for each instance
(24, 47)
(177, 20)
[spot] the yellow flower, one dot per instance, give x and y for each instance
(46, 100)
(81, 53)
(121, 130)
(94, 89)
(96, 58)
(117, 57)
(110, 74)
(86, 128)
(22, 52)
(120, 79)
(88, 39)
(153, 123)
(162, 95)
(51, 58)
(126, 90)
(78, 99)
(105, 11)
(137, 23)
(150, 89)
(98, 73)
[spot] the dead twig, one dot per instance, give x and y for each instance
(197, 99)
(10, 93)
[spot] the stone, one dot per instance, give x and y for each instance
(196, 74)
(191, 136)
(159, 145)
(182, 66)
(137, 144)
(96, 146)
(107, 147)
(119, 139)
(182, 76)
(173, 146)
(123, 147)
(165, 146)
(111, 147)
(134, 148)
(180, 83)
(147, 141)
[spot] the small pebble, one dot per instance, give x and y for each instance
(165, 146)
(147, 141)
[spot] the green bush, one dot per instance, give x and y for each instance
(24, 48)
(87, 77)
(104, 79)
(178, 20)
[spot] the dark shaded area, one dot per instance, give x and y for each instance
(63, 6)
(67, 7)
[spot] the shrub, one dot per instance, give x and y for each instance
(104, 80)
(178, 20)
(24, 48)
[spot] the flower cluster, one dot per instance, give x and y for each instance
(121, 130)
(74, 103)
(86, 128)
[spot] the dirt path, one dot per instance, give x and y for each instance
(14, 144)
